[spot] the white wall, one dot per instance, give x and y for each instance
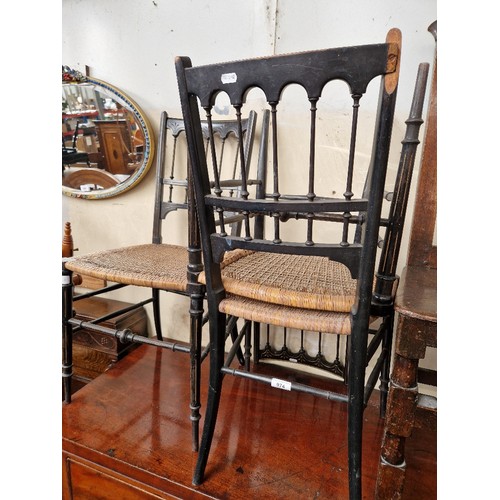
(132, 45)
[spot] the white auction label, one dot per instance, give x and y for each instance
(281, 384)
(228, 78)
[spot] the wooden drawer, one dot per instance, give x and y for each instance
(84, 480)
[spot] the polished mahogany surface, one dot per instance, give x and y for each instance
(127, 433)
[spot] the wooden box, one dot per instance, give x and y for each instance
(94, 353)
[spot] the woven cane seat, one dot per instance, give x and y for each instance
(297, 281)
(290, 317)
(150, 265)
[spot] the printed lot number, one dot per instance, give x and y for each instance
(281, 384)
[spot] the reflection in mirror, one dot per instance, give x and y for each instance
(107, 143)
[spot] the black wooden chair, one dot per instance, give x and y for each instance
(159, 265)
(391, 227)
(320, 281)
(278, 342)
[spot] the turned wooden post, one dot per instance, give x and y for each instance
(67, 242)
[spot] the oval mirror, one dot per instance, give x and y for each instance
(107, 142)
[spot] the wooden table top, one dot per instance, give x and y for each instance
(134, 420)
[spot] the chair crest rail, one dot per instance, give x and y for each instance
(304, 68)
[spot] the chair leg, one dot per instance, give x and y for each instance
(256, 342)
(156, 313)
(239, 352)
(356, 386)
(217, 337)
(196, 324)
(248, 344)
(385, 372)
(346, 363)
(355, 429)
(67, 332)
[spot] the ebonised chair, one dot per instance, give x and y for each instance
(319, 281)
(391, 228)
(310, 349)
(159, 265)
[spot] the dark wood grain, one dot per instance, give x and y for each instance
(128, 433)
(416, 304)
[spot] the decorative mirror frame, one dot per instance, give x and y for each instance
(70, 76)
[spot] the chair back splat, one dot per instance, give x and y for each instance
(352, 247)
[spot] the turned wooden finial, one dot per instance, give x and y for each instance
(68, 249)
(67, 242)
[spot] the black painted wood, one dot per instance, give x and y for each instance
(356, 66)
